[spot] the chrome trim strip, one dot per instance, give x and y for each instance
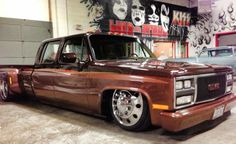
(175, 91)
(188, 89)
(226, 83)
(196, 86)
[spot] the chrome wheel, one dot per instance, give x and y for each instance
(4, 91)
(127, 107)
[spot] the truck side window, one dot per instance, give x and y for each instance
(50, 52)
(78, 47)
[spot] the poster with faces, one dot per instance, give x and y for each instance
(158, 14)
(165, 20)
(120, 8)
(154, 13)
(147, 18)
(137, 13)
(153, 16)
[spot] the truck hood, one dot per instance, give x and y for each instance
(160, 68)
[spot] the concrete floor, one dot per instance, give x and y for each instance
(27, 122)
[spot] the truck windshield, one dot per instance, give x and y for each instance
(220, 52)
(107, 47)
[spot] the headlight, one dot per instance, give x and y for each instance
(183, 84)
(187, 84)
(179, 85)
(184, 91)
(229, 77)
(184, 100)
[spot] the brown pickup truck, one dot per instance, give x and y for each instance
(118, 77)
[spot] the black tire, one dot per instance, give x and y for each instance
(4, 91)
(128, 114)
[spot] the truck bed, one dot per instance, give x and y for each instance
(16, 76)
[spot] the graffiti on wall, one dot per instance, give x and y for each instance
(144, 18)
(226, 19)
(95, 9)
(120, 9)
(201, 35)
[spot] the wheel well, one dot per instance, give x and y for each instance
(105, 102)
(105, 109)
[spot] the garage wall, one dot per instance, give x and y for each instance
(70, 17)
(221, 19)
(25, 9)
(20, 39)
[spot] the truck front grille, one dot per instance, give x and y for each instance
(210, 87)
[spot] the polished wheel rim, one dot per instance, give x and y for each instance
(127, 107)
(4, 90)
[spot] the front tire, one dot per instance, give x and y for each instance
(130, 110)
(4, 91)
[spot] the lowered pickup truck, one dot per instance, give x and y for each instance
(118, 77)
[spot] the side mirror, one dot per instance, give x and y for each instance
(68, 57)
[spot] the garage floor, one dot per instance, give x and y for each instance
(27, 122)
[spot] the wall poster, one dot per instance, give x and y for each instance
(145, 18)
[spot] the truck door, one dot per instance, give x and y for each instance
(44, 72)
(71, 80)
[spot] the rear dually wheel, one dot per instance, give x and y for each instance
(4, 91)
